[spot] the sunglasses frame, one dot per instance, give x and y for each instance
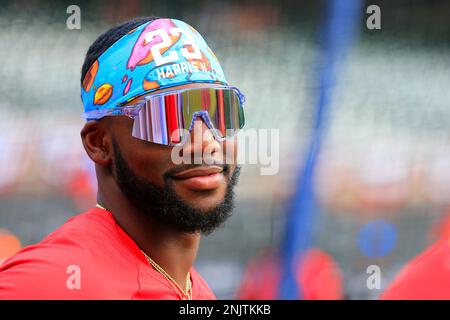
(132, 111)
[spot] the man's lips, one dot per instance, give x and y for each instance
(197, 171)
(200, 178)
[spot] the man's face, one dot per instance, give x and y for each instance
(190, 197)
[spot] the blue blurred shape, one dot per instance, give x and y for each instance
(377, 238)
(336, 36)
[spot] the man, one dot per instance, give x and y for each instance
(153, 93)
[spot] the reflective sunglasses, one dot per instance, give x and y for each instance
(168, 117)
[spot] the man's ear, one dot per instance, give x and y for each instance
(97, 142)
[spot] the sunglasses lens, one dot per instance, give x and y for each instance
(165, 119)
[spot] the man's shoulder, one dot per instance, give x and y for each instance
(80, 235)
(49, 269)
(426, 277)
(94, 222)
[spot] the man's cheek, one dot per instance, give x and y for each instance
(152, 166)
(151, 171)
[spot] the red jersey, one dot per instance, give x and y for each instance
(89, 257)
(425, 277)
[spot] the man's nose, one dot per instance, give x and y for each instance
(201, 142)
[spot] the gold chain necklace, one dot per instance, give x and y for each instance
(185, 294)
(99, 206)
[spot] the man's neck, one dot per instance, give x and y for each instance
(171, 249)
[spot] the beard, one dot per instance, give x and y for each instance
(163, 204)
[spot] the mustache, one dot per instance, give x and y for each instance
(168, 174)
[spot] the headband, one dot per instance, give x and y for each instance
(156, 55)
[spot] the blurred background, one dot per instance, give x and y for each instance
(379, 183)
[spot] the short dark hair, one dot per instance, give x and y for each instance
(107, 39)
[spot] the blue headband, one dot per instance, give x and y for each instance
(156, 55)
